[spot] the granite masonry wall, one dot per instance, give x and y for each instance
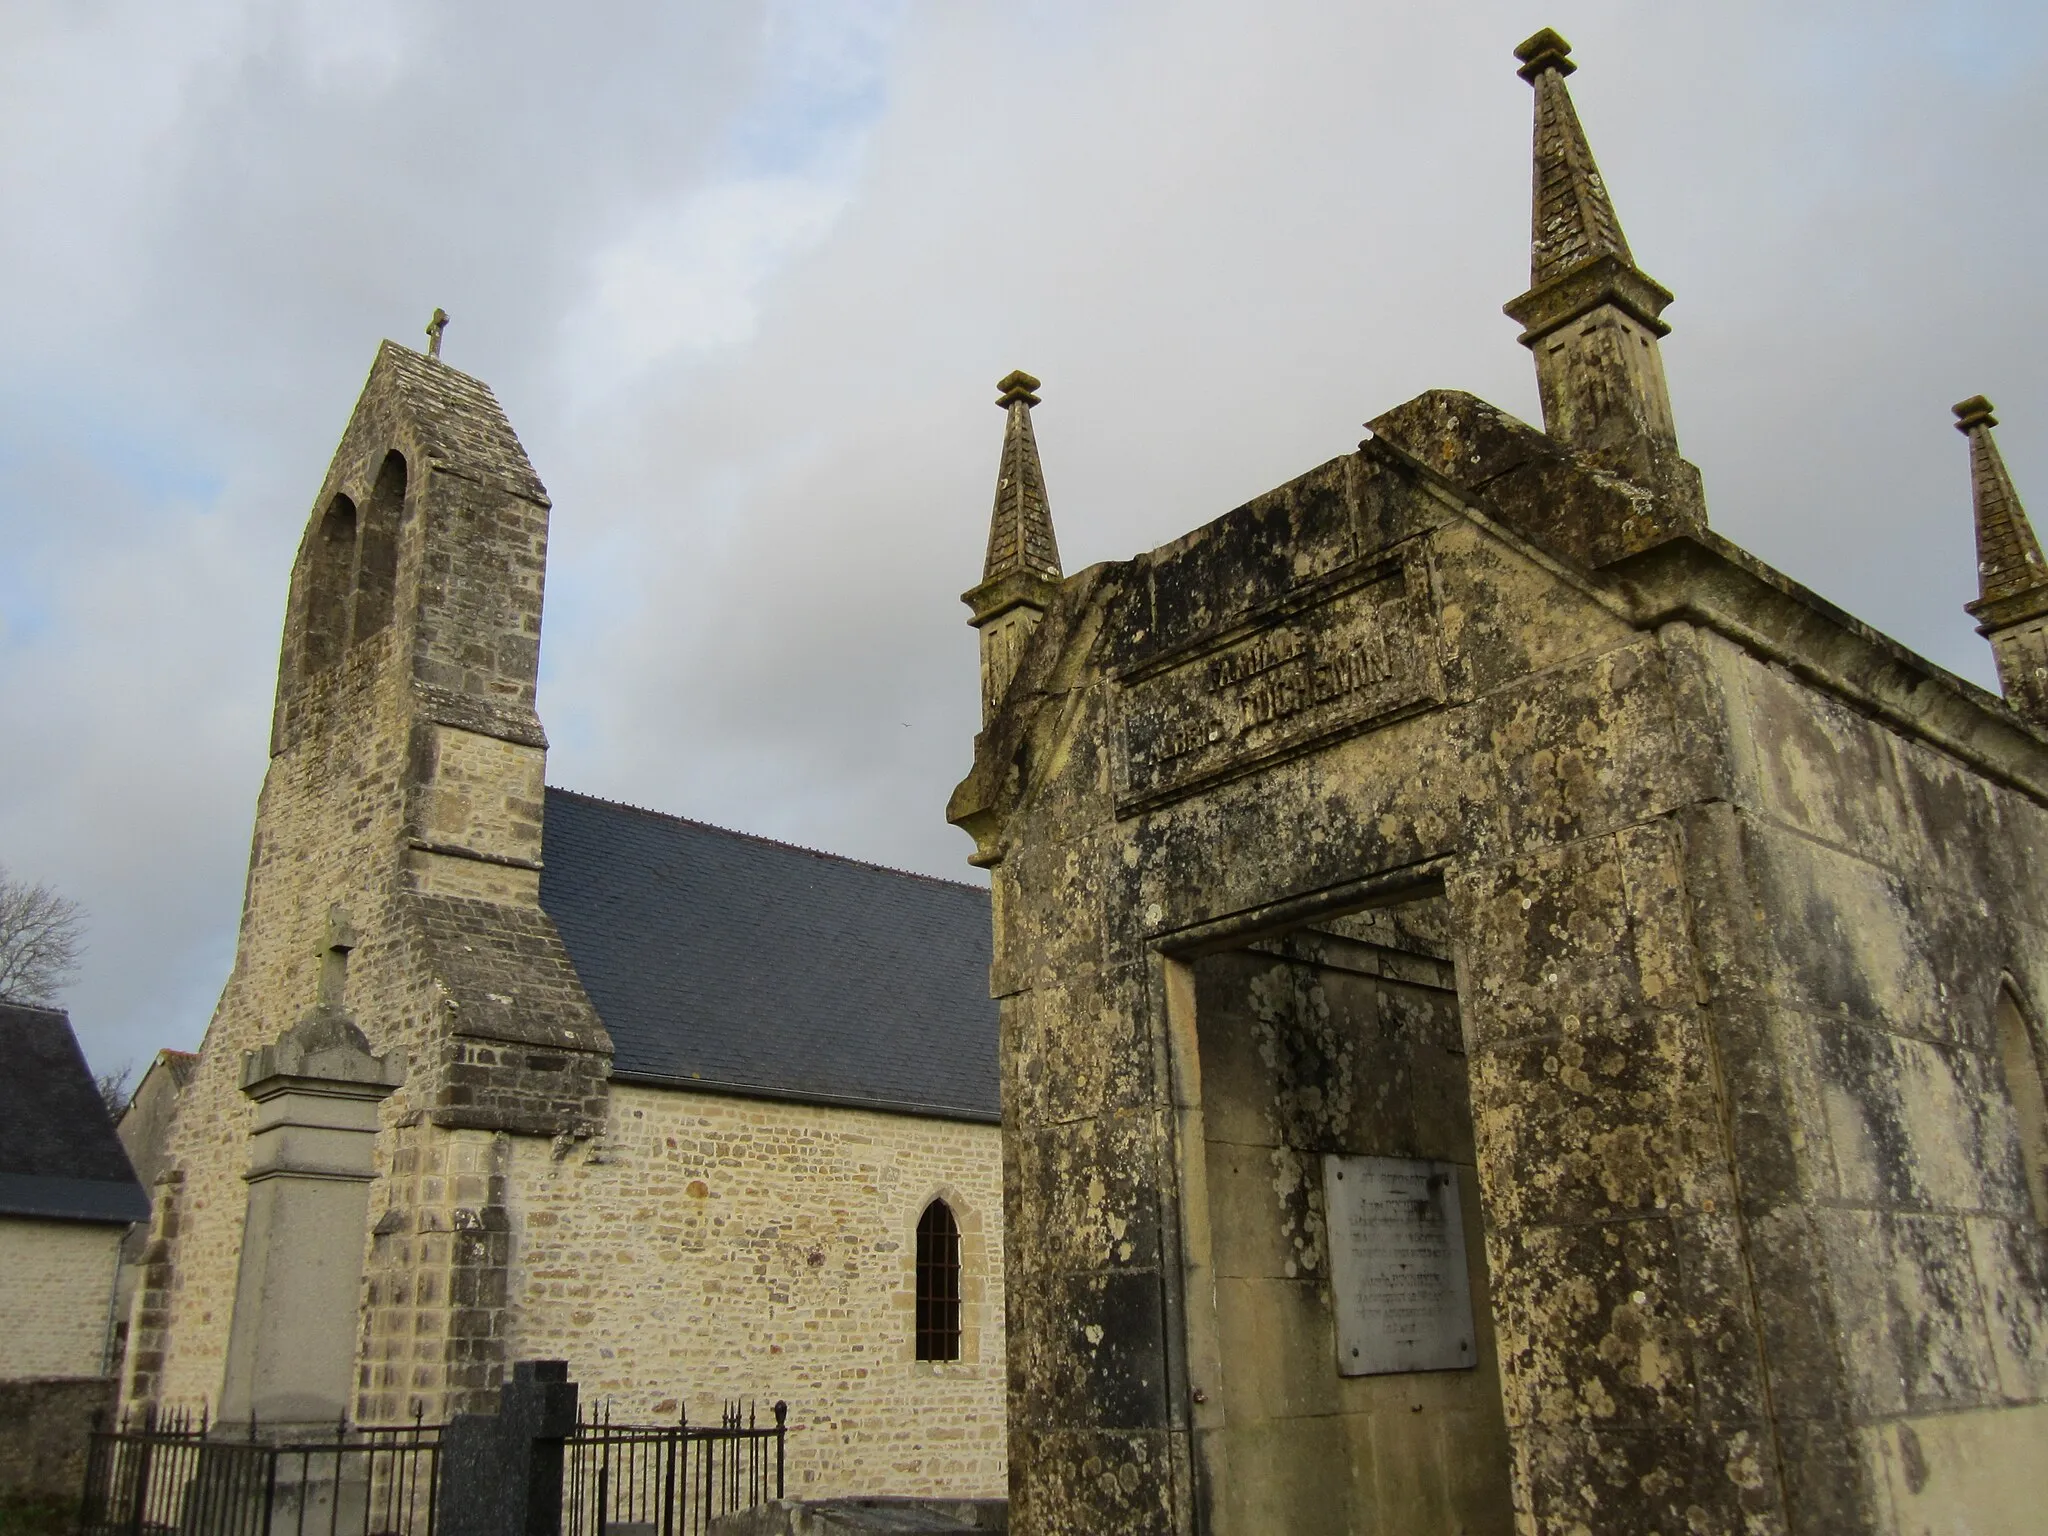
(716, 1247)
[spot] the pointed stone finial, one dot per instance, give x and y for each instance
(1592, 317)
(1022, 570)
(435, 327)
(1014, 387)
(1572, 216)
(1020, 532)
(1546, 50)
(2012, 580)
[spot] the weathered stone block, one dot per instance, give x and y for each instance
(1086, 1192)
(2010, 1262)
(1719, 1480)
(1095, 1480)
(1102, 1366)
(1545, 939)
(1505, 617)
(1914, 1125)
(1079, 1049)
(1905, 1302)
(1593, 1325)
(1608, 1118)
(1585, 748)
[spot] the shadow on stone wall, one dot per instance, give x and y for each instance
(45, 1431)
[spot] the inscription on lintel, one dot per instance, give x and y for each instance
(1398, 1281)
(1220, 710)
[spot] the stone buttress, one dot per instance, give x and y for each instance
(392, 887)
(1468, 800)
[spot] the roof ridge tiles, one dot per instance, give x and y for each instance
(8, 1004)
(768, 842)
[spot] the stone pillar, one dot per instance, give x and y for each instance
(291, 1346)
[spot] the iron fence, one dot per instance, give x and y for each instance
(181, 1475)
(670, 1479)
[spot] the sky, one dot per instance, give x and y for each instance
(744, 273)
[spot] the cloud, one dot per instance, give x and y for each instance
(686, 281)
(683, 280)
(744, 276)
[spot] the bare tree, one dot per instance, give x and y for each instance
(113, 1087)
(41, 938)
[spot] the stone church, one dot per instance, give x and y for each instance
(505, 1072)
(1516, 1015)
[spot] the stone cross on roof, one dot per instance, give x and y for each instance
(435, 327)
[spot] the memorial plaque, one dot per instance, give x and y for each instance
(1397, 1266)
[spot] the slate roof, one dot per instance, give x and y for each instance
(723, 961)
(58, 1154)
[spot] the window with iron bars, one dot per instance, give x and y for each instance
(938, 1284)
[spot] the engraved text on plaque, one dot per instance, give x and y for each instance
(1397, 1266)
(1349, 655)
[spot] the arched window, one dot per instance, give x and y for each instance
(2021, 1058)
(327, 585)
(377, 551)
(938, 1284)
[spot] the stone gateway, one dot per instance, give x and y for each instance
(1469, 805)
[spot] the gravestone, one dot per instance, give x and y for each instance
(501, 1474)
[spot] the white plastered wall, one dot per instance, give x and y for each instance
(56, 1284)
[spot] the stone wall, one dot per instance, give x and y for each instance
(745, 1248)
(56, 1289)
(46, 1433)
(1904, 1267)
(697, 1248)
